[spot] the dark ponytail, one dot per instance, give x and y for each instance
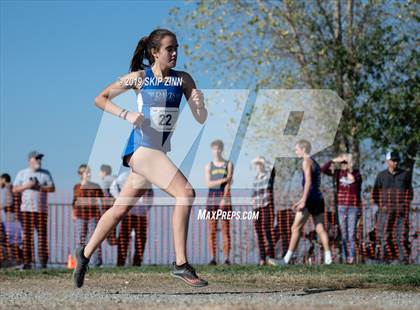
(144, 49)
(139, 54)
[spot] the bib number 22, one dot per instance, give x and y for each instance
(162, 118)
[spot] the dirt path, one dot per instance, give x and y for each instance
(159, 291)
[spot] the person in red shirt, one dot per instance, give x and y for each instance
(348, 186)
(87, 198)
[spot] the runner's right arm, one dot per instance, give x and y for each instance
(103, 101)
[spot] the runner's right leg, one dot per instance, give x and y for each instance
(300, 219)
(135, 186)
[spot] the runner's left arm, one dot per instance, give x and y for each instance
(195, 98)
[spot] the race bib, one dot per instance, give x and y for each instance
(163, 118)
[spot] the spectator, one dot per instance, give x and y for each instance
(348, 183)
(135, 220)
(4, 201)
(2, 245)
(392, 193)
(106, 179)
(218, 174)
(6, 195)
(86, 212)
(262, 200)
(11, 225)
(34, 183)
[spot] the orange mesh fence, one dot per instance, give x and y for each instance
(383, 228)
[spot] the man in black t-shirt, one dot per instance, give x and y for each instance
(392, 193)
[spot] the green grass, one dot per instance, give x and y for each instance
(335, 276)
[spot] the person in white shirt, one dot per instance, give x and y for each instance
(34, 183)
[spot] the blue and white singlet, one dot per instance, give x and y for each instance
(159, 101)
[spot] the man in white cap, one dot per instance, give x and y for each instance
(34, 183)
(392, 193)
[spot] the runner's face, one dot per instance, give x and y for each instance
(168, 52)
(299, 151)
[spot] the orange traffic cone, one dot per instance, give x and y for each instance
(71, 262)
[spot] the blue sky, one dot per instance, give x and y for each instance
(55, 58)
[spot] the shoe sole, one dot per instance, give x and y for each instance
(74, 280)
(189, 283)
(74, 274)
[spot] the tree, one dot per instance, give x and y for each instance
(364, 50)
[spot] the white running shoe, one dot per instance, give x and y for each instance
(275, 262)
(327, 258)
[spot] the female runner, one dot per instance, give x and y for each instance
(159, 91)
